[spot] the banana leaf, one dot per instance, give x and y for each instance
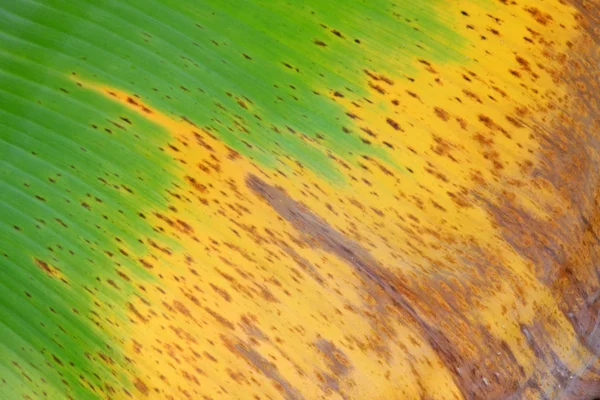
(268, 199)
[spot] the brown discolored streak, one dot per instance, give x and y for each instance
(337, 360)
(319, 230)
(338, 364)
(391, 288)
(266, 367)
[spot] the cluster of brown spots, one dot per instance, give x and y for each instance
(539, 16)
(379, 77)
(443, 147)
(287, 65)
(494, 157)
(436, 174)
(377, 88)
(135, 312)
(377, 81)
(428, 66)
(491, 125)
(472, 95)
(461, 199)
(135, 103)
(179, 225)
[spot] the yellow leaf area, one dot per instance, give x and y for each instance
(398, 282)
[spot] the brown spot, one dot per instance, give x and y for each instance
(441, 113)
(141, 386)
(377, 88)
(221, 292)
(539, 16)
(337, 33)
(48, 269)
(394, 124)
(220, 319)
(135, 311)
